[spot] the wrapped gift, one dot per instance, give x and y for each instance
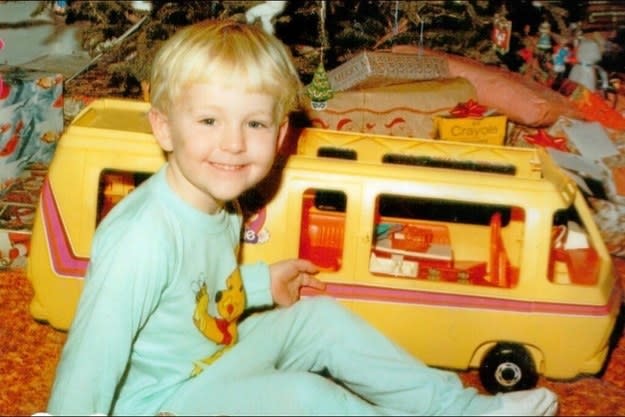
(472, 122)
(31, 119)
(520, 99)
(398, 110)
(380, 68)
(17, 212)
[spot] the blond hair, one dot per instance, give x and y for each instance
(227, 52)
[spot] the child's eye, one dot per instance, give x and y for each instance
(208, 122)
(256, 124)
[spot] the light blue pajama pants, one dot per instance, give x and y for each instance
(272, 370)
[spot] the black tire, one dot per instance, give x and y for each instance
(508, 367)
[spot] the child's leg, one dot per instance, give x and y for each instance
(272, 393)
(318, 334)
(266, 372)
(248, 379)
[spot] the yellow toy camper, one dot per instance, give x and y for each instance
(467, 255)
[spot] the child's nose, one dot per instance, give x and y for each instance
(233, 141)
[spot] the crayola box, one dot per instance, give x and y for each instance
(488, 129)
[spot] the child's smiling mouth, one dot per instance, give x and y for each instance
(228, 167)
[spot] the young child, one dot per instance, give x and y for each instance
(158, 327)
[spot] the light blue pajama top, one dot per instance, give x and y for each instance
(142, 327)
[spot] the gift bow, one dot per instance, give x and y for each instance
(545, 140)
(469, 109)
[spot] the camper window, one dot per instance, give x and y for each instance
(323, 227)
(446, 240)
(573, 258)
(113, 186)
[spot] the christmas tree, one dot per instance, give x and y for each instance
(459, 27)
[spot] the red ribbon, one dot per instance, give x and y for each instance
(545, 140)
(469, 109)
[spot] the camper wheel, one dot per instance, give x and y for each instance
(508, 367)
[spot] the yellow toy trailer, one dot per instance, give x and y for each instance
(467, 255)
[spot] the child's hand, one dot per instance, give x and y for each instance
(287, 277)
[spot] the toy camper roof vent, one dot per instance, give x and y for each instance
(382, 149)
(341, 153)
(426, 161)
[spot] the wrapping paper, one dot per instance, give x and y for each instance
(31, 120)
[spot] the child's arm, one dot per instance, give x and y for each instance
(257, 284)
(122, 287)
(279, 283)
(289, 276)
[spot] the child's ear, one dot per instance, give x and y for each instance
(160, 129)
(282, 132)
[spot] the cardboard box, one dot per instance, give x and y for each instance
(396, 110)
(380, 68)
(487, 129)
(31, 119)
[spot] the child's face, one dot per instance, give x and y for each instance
(221, 142)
